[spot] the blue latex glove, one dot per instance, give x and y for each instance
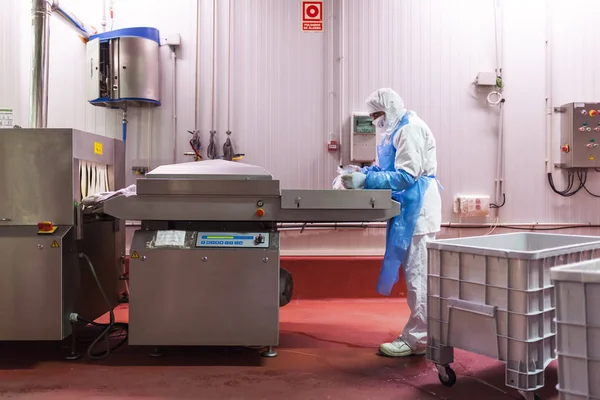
(394, 180)
(372, 168)
(355, 180)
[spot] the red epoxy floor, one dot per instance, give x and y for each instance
(327, 352)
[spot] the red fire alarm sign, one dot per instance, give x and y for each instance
(312, 16)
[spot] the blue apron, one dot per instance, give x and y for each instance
(401, 228)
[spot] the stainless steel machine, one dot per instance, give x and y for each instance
(43, 175)
(204, 268)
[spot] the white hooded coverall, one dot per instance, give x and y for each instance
(416, 155)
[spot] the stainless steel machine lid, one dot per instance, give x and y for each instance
(210, 170)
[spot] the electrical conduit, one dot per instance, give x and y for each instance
(549, 108)
(228, 152)
(174, 103)
(212, 146)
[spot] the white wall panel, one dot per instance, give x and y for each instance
(279, 93)
(286, 94)
(10, 71)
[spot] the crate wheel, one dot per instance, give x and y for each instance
(450, 379)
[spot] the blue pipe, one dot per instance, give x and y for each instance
(79, 26)
(124, 124)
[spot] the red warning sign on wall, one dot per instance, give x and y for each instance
(312, 16)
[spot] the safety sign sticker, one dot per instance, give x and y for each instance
(55, 245)
(98, 148)
(135, 254)
(312, 16)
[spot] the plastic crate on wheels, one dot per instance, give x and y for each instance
(577, 288)
(492, 295)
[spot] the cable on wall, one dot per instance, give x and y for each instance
(569, 191)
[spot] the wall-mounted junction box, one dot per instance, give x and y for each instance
(485, 79)
(363, 138)
(579, 135)
(472, 205)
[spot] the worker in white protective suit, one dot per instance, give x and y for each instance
(406, 164)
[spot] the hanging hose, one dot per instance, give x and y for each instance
(211, 150)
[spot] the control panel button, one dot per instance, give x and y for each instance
(592, 158)
(260, 212)
(583, 112)
(47, 227)
(582, 129)
(597, 129)
(588, 129)
(585, 124)
(565, 148)
(593, 113)
(589, 145)
(592, 140)
(595, 145)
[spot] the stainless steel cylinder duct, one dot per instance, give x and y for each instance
(38, 96)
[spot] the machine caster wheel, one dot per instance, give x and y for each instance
(286, 287)
(269, 353)
(155, 353)
(450, 379)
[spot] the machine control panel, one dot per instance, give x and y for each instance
(580, 135)
(233, 240)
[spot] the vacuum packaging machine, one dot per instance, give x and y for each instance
(204, 268)
(44, 173)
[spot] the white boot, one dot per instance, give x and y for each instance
(399, 348)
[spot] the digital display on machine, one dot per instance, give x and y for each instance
(246, 240)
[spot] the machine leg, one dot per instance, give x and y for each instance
(155, 352)
(529, 395)
(269, 352)
(73, 354)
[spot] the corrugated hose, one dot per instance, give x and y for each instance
(228, 152)
(211, 150)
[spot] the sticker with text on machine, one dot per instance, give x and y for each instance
(6, 118)
(169, 239)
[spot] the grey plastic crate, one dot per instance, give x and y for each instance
(578, 329)
(524, 327)
(493, 295)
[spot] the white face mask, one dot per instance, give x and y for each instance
(379, 122)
